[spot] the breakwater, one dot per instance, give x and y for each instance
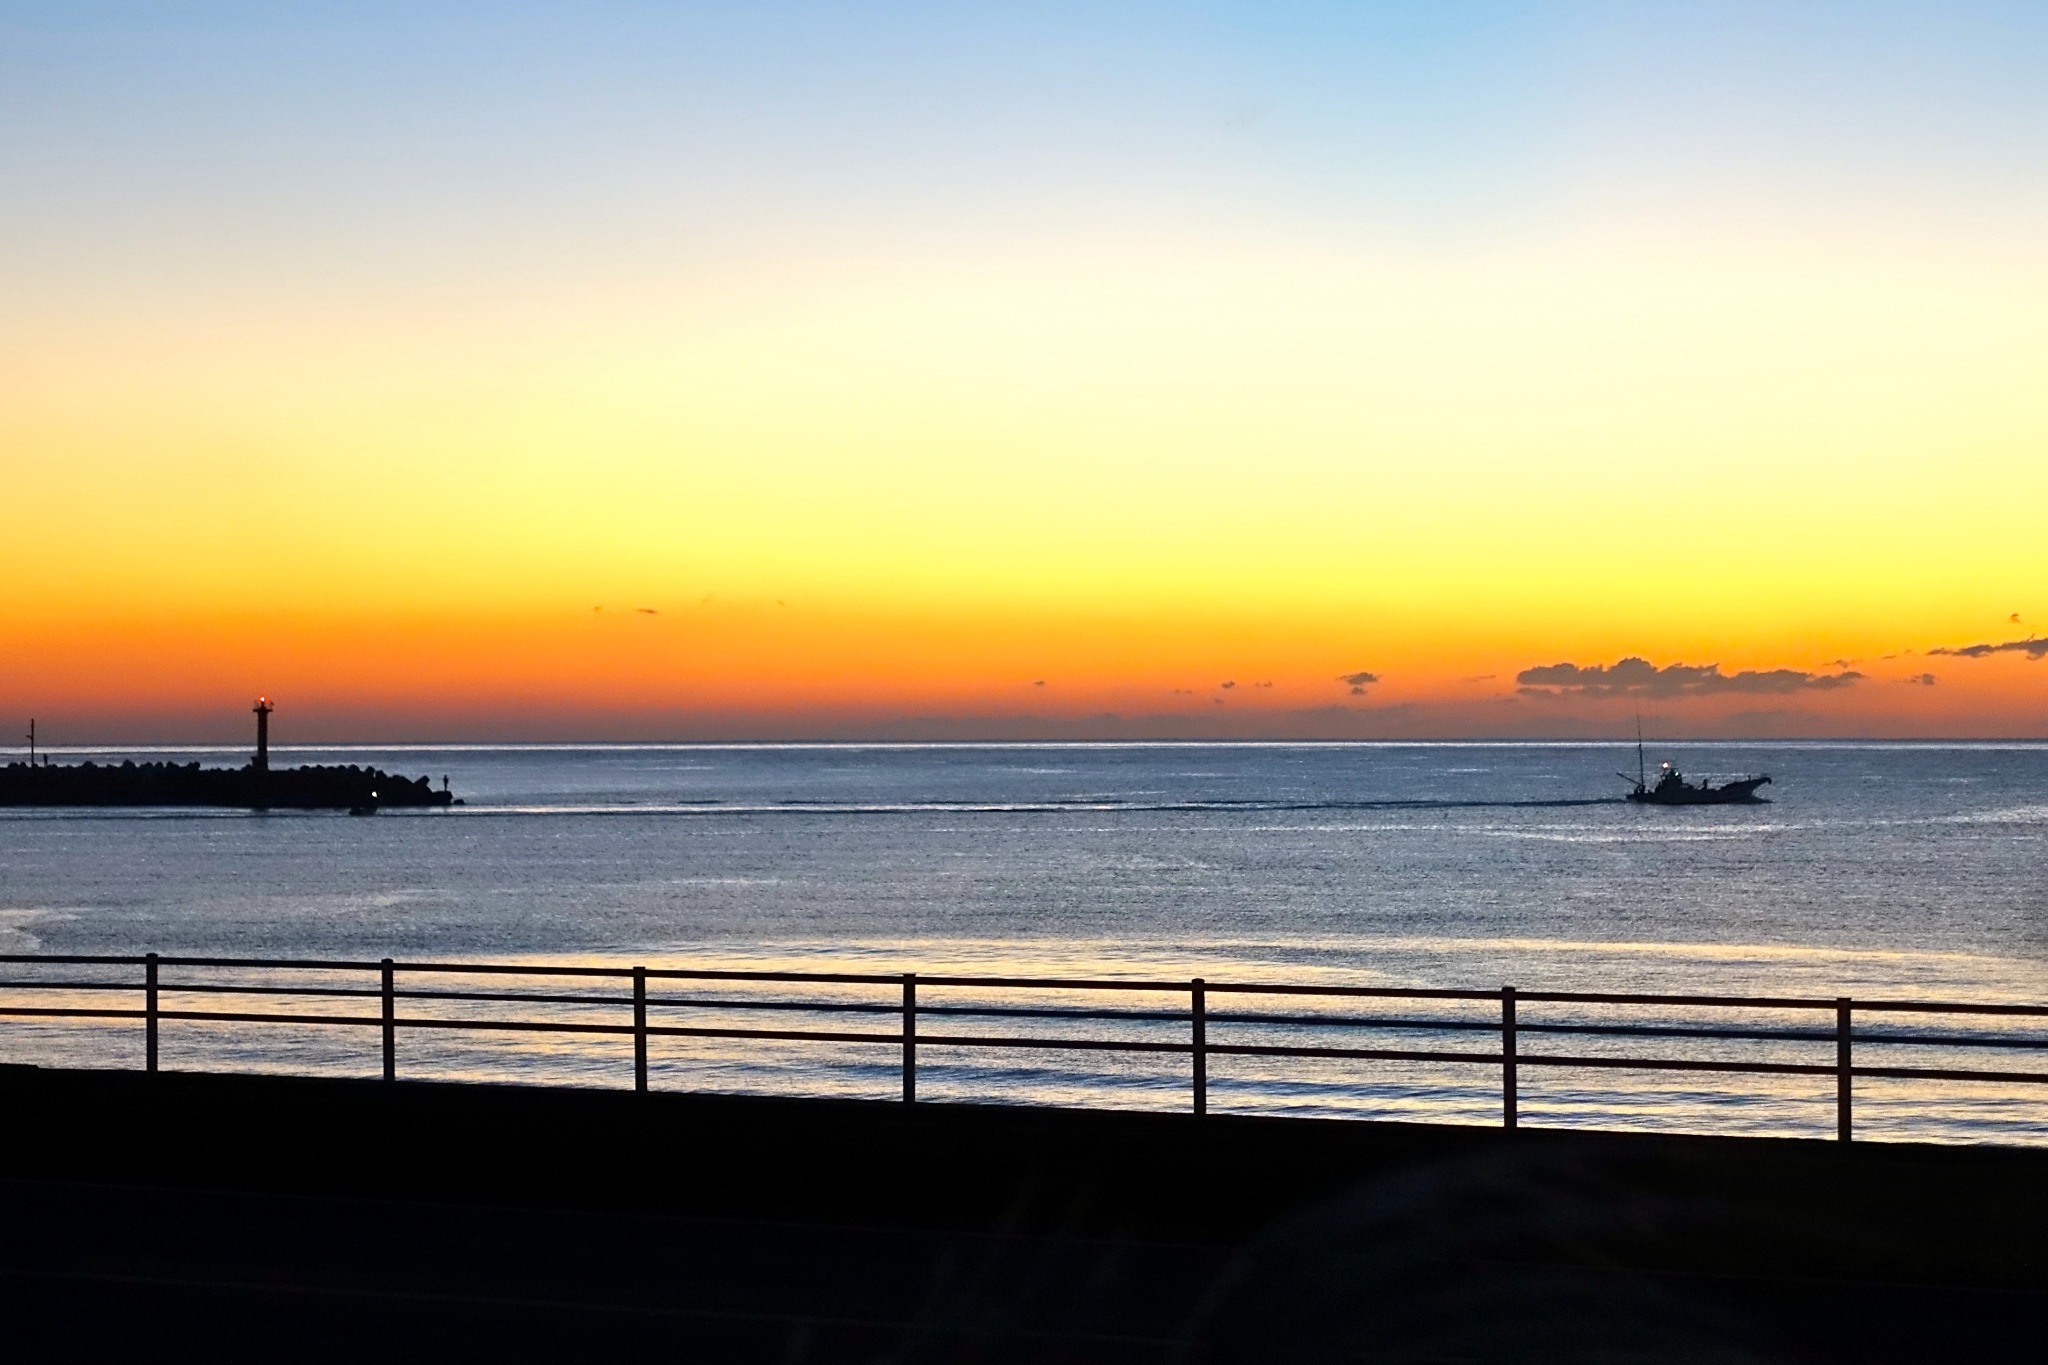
(252, 787)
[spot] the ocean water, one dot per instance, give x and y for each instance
(1877, 871)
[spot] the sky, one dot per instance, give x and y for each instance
(644, 371)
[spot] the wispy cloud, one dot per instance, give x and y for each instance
(2034, 647)
(1358, 682)
(1639, 677)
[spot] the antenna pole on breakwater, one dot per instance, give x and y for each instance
(31, 741)
(262, 712)
(259, 766)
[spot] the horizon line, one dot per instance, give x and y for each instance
(561, 745)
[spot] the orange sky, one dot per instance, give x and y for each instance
(1034, 419)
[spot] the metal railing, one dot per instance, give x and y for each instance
(587, 1001)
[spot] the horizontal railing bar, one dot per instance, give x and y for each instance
(994, 1011)
(1352, 1053)
(1771, 1002)
(66, 1012)
(1782, 1068)
(1071, 1044)
(702, 1002)
(713, 1002)
(1137, 1016)
(1026, 982)
(1765, 1002)
(280, 963)
(71, 985)
(1056, 983)
(1375, 992)
(821, 978)
(1948, 1040)
(1642, 1063)
(799, 1035)
(1935, 1007)
(1925, 1073)
(479, 968)
(1050, 1044)
(1493, 1026)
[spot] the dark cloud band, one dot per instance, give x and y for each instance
(2033, 647)
(1639, 677)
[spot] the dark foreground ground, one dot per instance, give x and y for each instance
(252, 1218)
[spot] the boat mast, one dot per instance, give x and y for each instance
(1642, 773)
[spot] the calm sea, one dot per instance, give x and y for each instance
(1876, 871)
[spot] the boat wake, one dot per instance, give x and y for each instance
(1076, 806)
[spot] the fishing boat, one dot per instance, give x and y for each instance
(1671, 788)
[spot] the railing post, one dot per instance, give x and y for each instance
(640, 1029)
(1198, 1018)
(1843, 1087)
(910, 1037)
(1507, 1057)
(390, 1025)
(149, 1013)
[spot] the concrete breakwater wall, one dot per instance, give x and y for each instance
(274, 1217)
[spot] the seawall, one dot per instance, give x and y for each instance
(297, 1218)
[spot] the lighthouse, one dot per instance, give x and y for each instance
(262, 713)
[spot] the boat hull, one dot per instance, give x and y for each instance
(1738, 793)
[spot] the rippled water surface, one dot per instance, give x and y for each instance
(1876, 871)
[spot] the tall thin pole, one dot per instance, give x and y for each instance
(1198, 1017)
(149, 1013)
(259, 766)
(390, 1024)
(1508, 1084)
(31, 741)
(910, 1037)
(262, 712)
(1844, 1079)
(640, 1029)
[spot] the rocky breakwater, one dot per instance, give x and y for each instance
(329, 787)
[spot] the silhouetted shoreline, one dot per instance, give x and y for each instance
(252, 787)
(284, 1217)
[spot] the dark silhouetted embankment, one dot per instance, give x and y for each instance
(335, 787)
(249, 1217)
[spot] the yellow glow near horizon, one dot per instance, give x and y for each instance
(1121, 474)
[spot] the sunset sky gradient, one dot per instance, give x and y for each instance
(814, 370)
